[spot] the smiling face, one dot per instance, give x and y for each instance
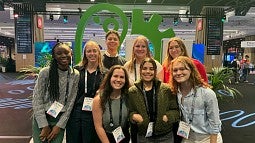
(174, 49)
(148, 72)
(181, 73)
(140, 49)
(112, 42)
(62, 54)
(118, 79)
(92, 52)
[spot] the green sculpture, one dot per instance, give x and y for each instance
(139, 26)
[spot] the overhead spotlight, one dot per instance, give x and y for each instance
(148, 1)
(51, 17)
(176, 21)
(223, 19)
(65, 20)
(16, 15)
(190, 20)
(80, 12)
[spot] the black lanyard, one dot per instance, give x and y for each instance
(154, 103)
(86, 81)
(135, 70)
(120, 113)
(67, 85)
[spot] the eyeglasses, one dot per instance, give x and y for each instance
(174, 47)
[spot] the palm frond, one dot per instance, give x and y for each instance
(218, 79)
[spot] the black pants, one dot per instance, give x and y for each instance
(80, 127)
(177, 139)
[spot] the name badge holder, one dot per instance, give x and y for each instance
(55, 109)
(149, 130)
(118, 134)
(183, 130)
(87, 104)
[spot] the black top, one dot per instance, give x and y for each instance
(149, 96)
(93, 82)
(111, 61)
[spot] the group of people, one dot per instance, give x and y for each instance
(241, 68)
(108, 99)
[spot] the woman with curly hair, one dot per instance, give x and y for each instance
(200, 121)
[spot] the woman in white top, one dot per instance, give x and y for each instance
(140, 51)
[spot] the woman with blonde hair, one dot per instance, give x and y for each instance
(176, 48)
(140, 51)
(198, 103)
(80, 127)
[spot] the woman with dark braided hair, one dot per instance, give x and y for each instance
(54, 95)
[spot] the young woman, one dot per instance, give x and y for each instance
(110, 111)
(152, 106)
(53, 97)
(140, 51)
(198, 103)
(80, 127)
(111, 57)
(176, 48)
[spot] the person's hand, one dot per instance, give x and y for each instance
(44, 133)
(165, 119)
(137, 118)
(53, 134)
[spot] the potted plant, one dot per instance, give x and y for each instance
(4, 62)
(33, 71)
(220, 80)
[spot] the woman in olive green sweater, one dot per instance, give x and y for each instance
(152, 106)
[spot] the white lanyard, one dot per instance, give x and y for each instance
(86, 81)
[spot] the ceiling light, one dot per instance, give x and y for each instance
(51, 17)
(148, 1)
(92, 0)
(65, 20)
(190, 20)
(176, 21)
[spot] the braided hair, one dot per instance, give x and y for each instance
(53, 74)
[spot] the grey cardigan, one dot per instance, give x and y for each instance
(41, 102)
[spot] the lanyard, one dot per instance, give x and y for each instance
(154, 103)
(67, 85)
(86, 81)
(191, 115)
(135, 70)
(120, 113)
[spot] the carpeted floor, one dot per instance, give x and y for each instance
(238, 117)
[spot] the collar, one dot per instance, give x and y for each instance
(191, 93)
(109, 55)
